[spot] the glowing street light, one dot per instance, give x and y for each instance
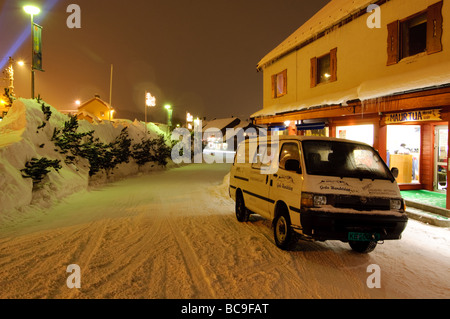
(150, 101)
(32, 11)
(189, 120)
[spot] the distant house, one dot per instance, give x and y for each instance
(215, 133)
(95, 110)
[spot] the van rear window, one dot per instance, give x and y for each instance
(343, 159)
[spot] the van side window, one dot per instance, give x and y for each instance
(289, 151)
(241, 156)
(263, 156)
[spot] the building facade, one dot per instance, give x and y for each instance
(95, 110)
(373, 71)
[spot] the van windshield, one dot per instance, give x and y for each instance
(343, 159)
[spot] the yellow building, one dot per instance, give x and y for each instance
(377, 71)
(95, 110)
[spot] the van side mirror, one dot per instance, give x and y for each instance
(292, 165)
(395, 172)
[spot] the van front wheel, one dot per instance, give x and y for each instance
(282, 231)
(242, 213)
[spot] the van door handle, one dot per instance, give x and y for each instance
(267, 178)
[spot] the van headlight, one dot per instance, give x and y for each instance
(396, 204)
(313, 200)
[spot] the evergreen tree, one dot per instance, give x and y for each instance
(37, 169)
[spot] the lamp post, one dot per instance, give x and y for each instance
(32, 11)
(10, 74)
(169, 115)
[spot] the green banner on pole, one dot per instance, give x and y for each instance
(37, 47)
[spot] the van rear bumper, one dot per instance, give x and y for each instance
(323, 226)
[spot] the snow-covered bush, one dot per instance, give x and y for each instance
(37, 169)
(151, 150)
(88, 153)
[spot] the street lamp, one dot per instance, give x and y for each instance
(169, 115)
(32, 11)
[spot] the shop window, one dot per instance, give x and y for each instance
(360, 133)
(324, 68)
(418, 33)
(279, 84)
(403, 151)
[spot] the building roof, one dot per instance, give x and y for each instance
(221, 124)
(99, 100)
(332, 14)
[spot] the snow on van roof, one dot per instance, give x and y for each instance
(334, 12)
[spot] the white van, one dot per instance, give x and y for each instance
(318, 188)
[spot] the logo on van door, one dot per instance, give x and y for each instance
(285, 182)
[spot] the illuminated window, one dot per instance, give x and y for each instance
(279, 84)
(324, 68)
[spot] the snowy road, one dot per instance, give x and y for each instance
(173, 234)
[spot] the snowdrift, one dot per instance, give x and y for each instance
(24, 136)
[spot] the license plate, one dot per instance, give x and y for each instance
(363, 236)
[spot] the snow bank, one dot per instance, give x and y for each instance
(22, 138)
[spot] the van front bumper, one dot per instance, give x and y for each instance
(323, 226)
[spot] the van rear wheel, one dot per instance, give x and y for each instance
(363, 247)
(282, 231)
(242, 213)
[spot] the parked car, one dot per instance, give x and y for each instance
(318, 188)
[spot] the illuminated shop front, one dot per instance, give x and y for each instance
(410, 134)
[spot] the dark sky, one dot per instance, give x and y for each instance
(197, 55)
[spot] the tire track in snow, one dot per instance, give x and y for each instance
(196, 271)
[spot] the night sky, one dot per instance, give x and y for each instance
(197, 55)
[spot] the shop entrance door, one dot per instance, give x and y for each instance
(441, 155)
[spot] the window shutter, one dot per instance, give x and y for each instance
(274, 86)
(333, 65)
(285, 82)
(393, 45)
(434, 28)
(313, 75)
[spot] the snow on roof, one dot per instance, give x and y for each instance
(99, 100)
(334, 12)
(220, 123)
(431, 76)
